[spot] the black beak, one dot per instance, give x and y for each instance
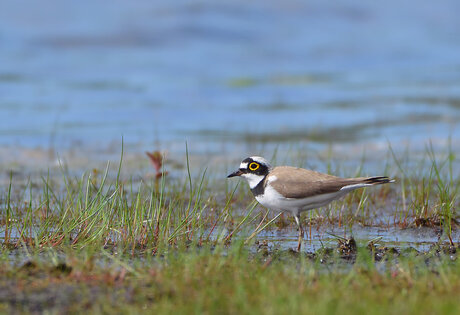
(236, 173)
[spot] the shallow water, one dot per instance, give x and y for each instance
(421, 239)
(227, 77)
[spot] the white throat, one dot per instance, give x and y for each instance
(253, 179)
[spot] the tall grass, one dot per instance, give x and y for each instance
(97, 210)
(102, 208)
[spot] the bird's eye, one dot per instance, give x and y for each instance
(253, 166)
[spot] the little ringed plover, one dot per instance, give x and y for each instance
(294, 190)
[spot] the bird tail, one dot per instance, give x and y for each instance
(378, 180)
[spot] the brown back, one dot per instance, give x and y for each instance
(295, 182)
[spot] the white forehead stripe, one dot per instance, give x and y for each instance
(244, 165)
(261, 160)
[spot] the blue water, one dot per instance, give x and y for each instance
(159, 73)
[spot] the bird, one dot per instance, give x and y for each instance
(294, 189)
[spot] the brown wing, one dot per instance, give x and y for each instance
(294, 182)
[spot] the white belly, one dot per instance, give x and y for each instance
(275, 201)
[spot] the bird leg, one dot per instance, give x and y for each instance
(299, 225)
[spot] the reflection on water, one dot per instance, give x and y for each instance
(221, 75)
(419, 238)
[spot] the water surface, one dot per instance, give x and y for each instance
(226, 77)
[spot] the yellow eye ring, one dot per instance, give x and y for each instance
(253, 166)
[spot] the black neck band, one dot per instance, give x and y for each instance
(259, 189)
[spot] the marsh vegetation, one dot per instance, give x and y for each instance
(106, 241)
